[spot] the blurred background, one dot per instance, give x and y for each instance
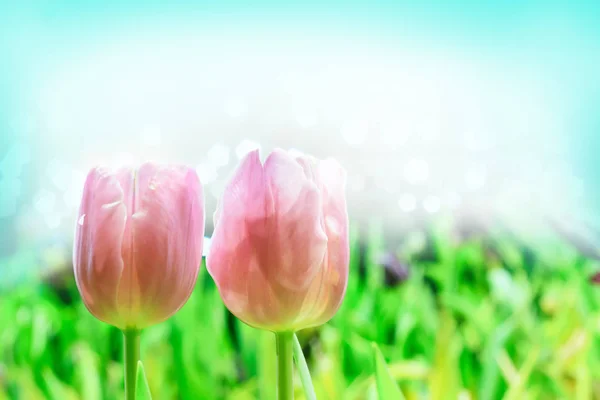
(470, 133)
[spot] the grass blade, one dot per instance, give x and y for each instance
(387, 389)
(142, 390)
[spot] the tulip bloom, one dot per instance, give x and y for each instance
(138, 243)
(279, 253)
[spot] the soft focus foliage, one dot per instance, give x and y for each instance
(485, 315)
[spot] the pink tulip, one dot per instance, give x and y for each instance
(279, 253)
(138, 243)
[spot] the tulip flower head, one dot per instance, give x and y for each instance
(138, 243)
(279, 253)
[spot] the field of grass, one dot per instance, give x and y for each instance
(481, 316)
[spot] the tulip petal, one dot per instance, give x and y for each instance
(97, 260)
(297, 240)
(166, 243)
(245, 205)
(326, 291)
(335, 273)
(279, 250)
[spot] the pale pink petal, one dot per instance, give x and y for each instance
(97, 250)
(245, 205)
(297, 242)
(335, 272)
(279, 251)
(167, 233)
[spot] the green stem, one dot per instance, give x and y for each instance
(309, 389)
(132, 356)
(285, 365)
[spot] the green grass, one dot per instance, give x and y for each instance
(490, 316)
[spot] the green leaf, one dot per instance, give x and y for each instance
(87, 373)
(444, 380)
(387, 389)
(142, 390)
(518, 387)
(56, 388)
(309, 390)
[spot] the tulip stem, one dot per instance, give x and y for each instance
(132, 356)
(309, 389)
(285, 365)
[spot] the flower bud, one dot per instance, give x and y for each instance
(138, 243)
(279, 253)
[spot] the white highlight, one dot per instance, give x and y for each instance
(236, 107)
(423, 114)
(432, 204)
(407, 202)
(44, 202)
(207, 173)
(206, 246)
(218, 155)
(355, 132)
(416, 171)
(475, 178)
(245, 147)
(151, 136)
